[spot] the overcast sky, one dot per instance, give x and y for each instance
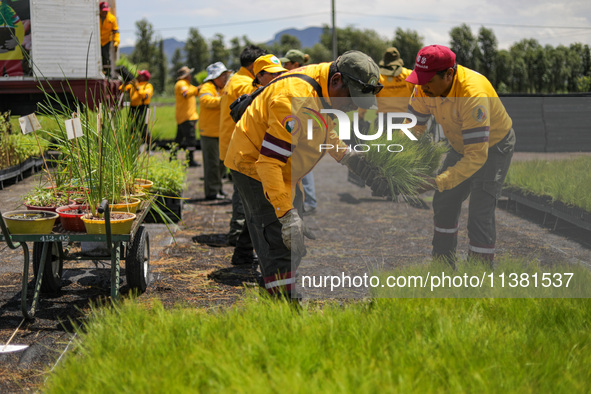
(550, 22)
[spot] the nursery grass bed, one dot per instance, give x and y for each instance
(415, 345)
(573, 215)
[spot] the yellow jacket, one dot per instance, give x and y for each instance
(394, 95)
(19, 32)
(186, 105)
(109, 30)
(270, 142)
(239, 84)
(209, 110)
(140, 93)
(472, 117)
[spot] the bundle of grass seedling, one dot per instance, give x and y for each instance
(403, 162)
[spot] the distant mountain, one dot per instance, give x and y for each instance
(308, 37)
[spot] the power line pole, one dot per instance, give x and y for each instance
(334, 32)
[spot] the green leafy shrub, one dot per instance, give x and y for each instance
(169, 176)
(15, 147)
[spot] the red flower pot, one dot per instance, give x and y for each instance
(70, 216)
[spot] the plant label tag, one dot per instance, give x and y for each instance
(73, 128)
(29, 123)
(148, 116)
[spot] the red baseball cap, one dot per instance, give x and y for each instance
(430, 60)
(145, 74)
(104, 6)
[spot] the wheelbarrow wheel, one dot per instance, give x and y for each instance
(137, 261)
(54, 265)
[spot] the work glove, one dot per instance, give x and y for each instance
(381, 187)
(364, 126)
(293, 231)
(11, 43)
(357, 163)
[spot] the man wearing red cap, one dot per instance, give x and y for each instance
(109, 33)
(481, 137)
(140, 94)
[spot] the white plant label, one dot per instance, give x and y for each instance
(29, 123)
(73, 128)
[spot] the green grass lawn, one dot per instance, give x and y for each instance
(165, 123)
(385, 345)
(563, 180)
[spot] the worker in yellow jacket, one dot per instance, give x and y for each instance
(140, 95)
(209, 129)
(240, 83)
(11, 55)
(482, 139)
(109, 33)
(186, 112)
(270, 152)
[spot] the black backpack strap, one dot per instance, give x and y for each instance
(304, 77)
(314, 84)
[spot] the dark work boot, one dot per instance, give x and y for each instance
(242, 258)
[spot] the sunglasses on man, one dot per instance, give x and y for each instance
(365, 87)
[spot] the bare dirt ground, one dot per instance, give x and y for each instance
(348, 223)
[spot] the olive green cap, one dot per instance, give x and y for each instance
(355, 64)
(295, 56)
(391, 64)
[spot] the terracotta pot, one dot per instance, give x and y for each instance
(30, 222)
(49, 209)
(70, 216)
(118, 225)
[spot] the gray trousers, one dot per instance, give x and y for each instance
(239, 235)
(278, 264)
(213, 167)
(484, 189)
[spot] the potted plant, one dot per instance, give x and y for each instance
(169, 179)
(45, 200)
(102, 158)
(71, 217)
(30, 222)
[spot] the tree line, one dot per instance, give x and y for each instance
(526, 67)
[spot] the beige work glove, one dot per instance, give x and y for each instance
(356, 162)
(293, 231)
